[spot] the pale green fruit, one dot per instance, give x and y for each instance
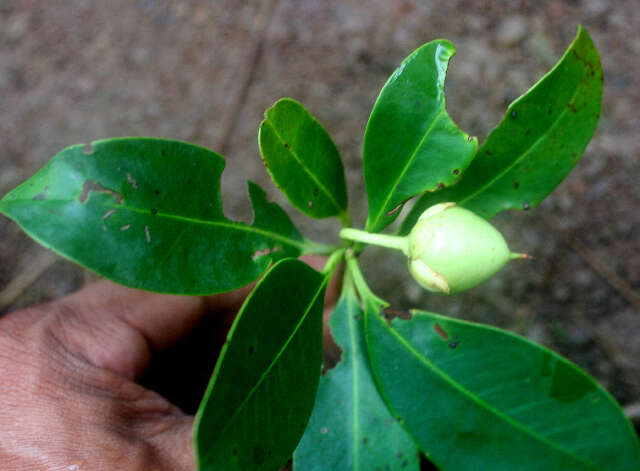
(451, 249)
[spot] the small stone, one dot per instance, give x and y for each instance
(511, 31)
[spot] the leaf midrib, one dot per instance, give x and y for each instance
(306, 170)
(272, 364)
(238, 226)
(454, 384)
(356, 402)
(405, 169)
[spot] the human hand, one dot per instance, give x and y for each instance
(70, 397)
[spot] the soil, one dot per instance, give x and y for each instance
(78, 70)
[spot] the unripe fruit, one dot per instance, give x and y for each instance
(451, 249)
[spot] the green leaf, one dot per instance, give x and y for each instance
(262, 391)
(470, 393)
(411, 145)
(147, 213)
(303, 161)
(351, 427)
(540, 139)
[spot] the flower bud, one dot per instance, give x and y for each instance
(451, 249)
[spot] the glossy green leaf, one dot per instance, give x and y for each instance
(470, 393)
(303, 161)
(147, 213)
(540, 139)
(262, 391)
(351, 427)
(411, 145)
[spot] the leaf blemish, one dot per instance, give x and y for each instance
(132, 181)
(393, 313)
(456, 171)
(526, 206)
(310, 204)
(315, 192)
(324, 430)
(453, 344)
(250, 349)
(108, 213)
(516, 184)
(88, 149)
(154, 211)
(514, 114)
(40, 196)
(126, 227)
(441, 332)
(90, 186)
(268, 251)
(147, 234)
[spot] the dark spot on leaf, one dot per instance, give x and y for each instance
(440, 186)
(400, 454)
(516, 184)
(574, 155)
(235, 450)
(405, 463)
(400, 420)
(489, 152)
(250, 349)
(441, 332)
(357, 317)
(470, 138)
(365, 440)
(315, 192)
(572, 108)
(90, 186)
(40, 196)
(550, 111)
(456, 171)
(526, 206)
(454, 343)
(87, 149)
(154, 211)
(287, 146)
(156, 192)
(514, 114)
(163, 153)
(527, 132)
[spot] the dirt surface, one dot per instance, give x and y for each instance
(73, 71)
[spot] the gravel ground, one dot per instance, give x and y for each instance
(77, 70)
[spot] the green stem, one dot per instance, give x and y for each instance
(389, 241)
(332, 263)
(366, 295)
(316, 248)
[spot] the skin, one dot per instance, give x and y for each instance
(71, 397)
